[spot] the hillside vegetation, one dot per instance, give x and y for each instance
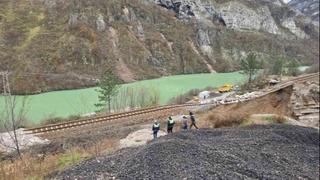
(63, 44)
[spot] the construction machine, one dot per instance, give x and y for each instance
(226, 88)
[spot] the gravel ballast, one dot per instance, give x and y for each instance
(255, 152)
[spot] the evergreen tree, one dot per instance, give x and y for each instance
(108, 88)
(279, 67)
(293, 67)
(250, 66)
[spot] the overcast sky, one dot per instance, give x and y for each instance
(286, 1)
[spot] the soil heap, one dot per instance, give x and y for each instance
(255, 152)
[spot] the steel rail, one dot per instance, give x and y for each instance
(116, 116)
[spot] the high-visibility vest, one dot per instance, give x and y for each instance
(156, 125)
(171, 121)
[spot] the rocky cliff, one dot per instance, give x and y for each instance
(58, 44)
(308, 7)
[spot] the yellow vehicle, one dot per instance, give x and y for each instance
(225, 88)
(196, 99)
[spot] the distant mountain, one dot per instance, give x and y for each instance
(62, 44)
(308, 7)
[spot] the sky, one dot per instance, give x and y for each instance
(286, 1)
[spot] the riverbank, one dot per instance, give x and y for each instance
(81, 101)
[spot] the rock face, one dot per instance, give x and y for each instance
(305, 103)
(256, 152)
(232, 14)
(143, 39)
(291, 25)
(238, 16)
(307, 7)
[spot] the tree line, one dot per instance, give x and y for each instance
(251, 65)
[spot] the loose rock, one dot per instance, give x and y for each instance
(256, 152)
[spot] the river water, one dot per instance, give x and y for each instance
(78, 102)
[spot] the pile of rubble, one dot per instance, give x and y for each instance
(255, 152)
(305, 103)
(245, 97)
(229, 98)
(8, 143)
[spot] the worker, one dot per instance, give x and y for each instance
(184, 123)
(193, 120)
(155, 129)
(170, 125)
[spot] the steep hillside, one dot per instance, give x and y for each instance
(58, 44)
(307, 7)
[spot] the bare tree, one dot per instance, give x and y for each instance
(12, 117)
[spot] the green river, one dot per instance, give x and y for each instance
(78, 102)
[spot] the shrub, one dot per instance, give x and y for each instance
(135, 98)
(259, 82)
(66, 160)
(279, 119)
(226, 119)
(60, 120)
(184, 98)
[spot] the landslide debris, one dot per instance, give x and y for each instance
(255, 152)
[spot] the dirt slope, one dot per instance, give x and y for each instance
(257, 152)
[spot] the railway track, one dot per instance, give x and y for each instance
(291, 82)
(116, 116)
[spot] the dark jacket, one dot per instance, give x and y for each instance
(193, 120)
(171, 123)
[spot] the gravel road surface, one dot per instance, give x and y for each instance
(255, 152)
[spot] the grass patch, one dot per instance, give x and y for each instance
(40, 16)
(10, 15)
(71, 158)
(269, 118)
(275, 119)
(31, 34)
(279, 119)
(60, 120)
(39, 166)
(263, 120)
(226, 119)
(246, 122)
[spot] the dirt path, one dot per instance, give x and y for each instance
(140, 137)
(124, 72)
